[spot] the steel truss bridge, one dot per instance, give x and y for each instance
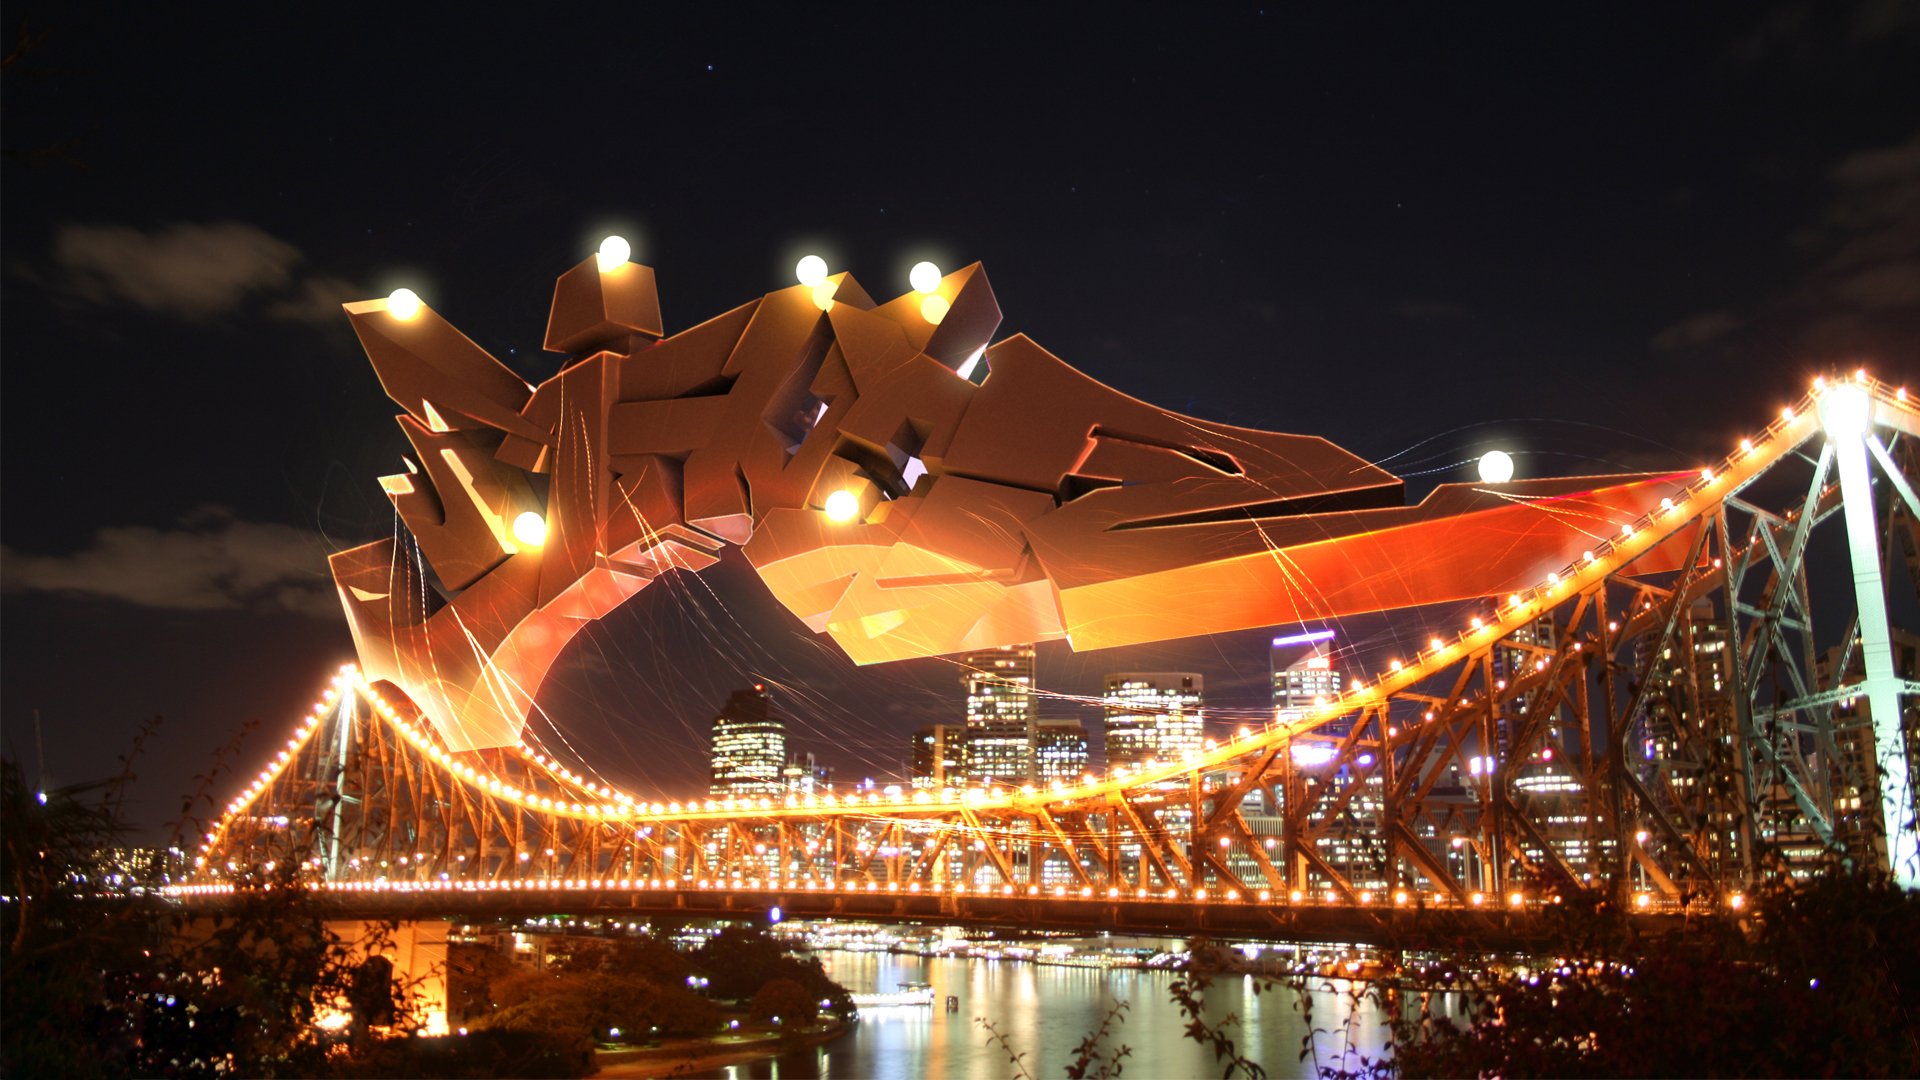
(1664, 739)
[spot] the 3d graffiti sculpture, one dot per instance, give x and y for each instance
(898, 482)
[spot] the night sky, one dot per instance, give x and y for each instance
(1608, 240)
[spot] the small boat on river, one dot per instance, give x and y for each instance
(906, 995)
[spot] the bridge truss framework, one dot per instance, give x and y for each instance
(1664, 738)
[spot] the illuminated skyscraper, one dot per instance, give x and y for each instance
(1545, 785)
(1000, 715)
(1855, 767)
(1685, 725)
(937, 753)
(1152, 716)
(1060, 751)
(749, 746)
(804, 775)
(1299, 681)
(1306, 674)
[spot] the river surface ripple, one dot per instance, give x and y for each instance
(1045, 1011)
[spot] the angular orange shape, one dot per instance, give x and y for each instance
(1037, 505)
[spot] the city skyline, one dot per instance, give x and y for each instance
(685, 539)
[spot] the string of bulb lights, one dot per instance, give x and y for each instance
(1842, 406)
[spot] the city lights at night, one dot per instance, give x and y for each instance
(701, 565)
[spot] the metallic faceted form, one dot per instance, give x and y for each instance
(1019, 502)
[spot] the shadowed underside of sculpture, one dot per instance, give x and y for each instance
(899, 484)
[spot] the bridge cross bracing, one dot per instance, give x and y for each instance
(1553, 745)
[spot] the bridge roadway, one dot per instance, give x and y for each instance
(1415, 923)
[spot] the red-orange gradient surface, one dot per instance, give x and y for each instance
(1029, 505)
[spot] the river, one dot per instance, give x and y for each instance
(1045, 1011)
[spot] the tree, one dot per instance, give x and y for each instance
(1823, 978)
(784, 1001)
(590, 1005)
(472, 971)
(741, 959)
(102, 985)
(68, 955)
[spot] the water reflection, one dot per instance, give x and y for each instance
(1044, 1012)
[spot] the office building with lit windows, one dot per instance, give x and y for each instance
(749, 746)
(1681, 731)
(1304, 673)
(938, 750)
(1060, 751)
(1152, 716)
(1000, 715)
(1545, 785)
(1854, 768)
(804, 775)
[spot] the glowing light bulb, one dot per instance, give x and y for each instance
(1496, 467)
(1846, 412)
(613, 254)
(810, 270)
(934, 308)
(924, 277)
(530, 529)
(403, 304)
(843, 506)
(823, 295)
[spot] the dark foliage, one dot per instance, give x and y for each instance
(472, 971)
(72, 961)
(531, 1054)
(1094, 1058)
(741, 959)
(1188, 993)
(114, 985)
(585, 1005)
(785, 1001)
(1822, 979)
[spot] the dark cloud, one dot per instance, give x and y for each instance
(1696, 330)
(1857, 293)
(198, 272)
(1867, 242)
(1875, 19)
(1815, 35)
(211, 561)
(317, 300)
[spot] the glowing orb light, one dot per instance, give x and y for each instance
(403, 304)
(843, 506)
(614, 253)
(823, 295)
(934, 308)
(1846, 412)
(924, 277)
(1496, 467)
(811, 270)
(530, 529)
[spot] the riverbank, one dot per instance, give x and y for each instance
(679, 1057)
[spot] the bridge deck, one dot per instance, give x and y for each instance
(1413, 925)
